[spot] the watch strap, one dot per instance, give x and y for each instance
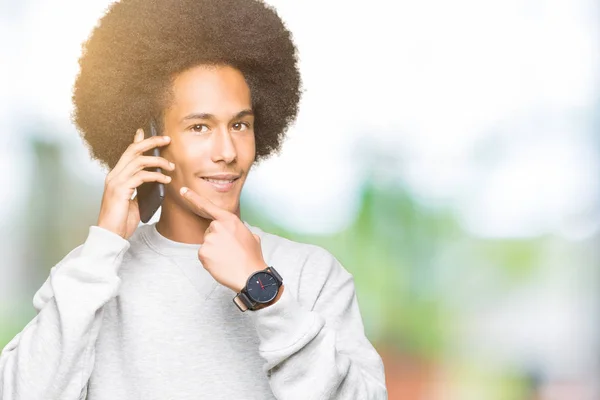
(243, 302)
(276, 275)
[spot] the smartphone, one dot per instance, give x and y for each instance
(150, 194)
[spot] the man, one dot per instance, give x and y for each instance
(200, 305)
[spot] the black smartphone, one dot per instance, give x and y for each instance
(150, 194)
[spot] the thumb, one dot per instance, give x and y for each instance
(256, 237)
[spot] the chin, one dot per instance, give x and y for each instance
(230, 205)
(228, 201)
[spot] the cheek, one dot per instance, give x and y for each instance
(194, 151)
(247, 149)
(186, 156)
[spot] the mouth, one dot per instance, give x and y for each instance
(221, 183)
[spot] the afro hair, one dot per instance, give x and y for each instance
(130, 59)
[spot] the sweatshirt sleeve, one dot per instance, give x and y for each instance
(53, 356)
(319, 351)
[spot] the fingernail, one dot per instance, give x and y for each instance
(138, 133)
(166, 138)
(183, 190)
(172, 165)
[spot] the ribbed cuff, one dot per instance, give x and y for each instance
(285, 324)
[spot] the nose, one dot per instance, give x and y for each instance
(223, 147)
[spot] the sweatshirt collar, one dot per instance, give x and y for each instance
(165, 246)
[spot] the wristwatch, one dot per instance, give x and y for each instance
(261, 288)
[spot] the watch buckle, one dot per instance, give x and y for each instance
(241, 301)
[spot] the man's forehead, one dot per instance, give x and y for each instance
(224, 115)
(212, 91)
(207, 78)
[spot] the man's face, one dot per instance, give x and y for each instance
(211, 125)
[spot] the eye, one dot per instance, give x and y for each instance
(239, 126)
(201, 128)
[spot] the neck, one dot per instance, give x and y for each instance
(179, 224)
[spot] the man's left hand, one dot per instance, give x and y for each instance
(230, 252)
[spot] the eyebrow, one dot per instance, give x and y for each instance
(239, 115)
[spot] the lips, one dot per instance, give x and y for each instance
(222, 177)
(221, 183)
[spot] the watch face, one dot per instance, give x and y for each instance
(262, 287)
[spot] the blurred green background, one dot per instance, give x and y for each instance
(446, 154)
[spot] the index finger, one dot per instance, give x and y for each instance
(139, 146)
(149, 143)
(203, 206)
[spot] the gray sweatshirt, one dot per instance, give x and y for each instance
(142, 319)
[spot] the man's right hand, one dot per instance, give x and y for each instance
(120, 213)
